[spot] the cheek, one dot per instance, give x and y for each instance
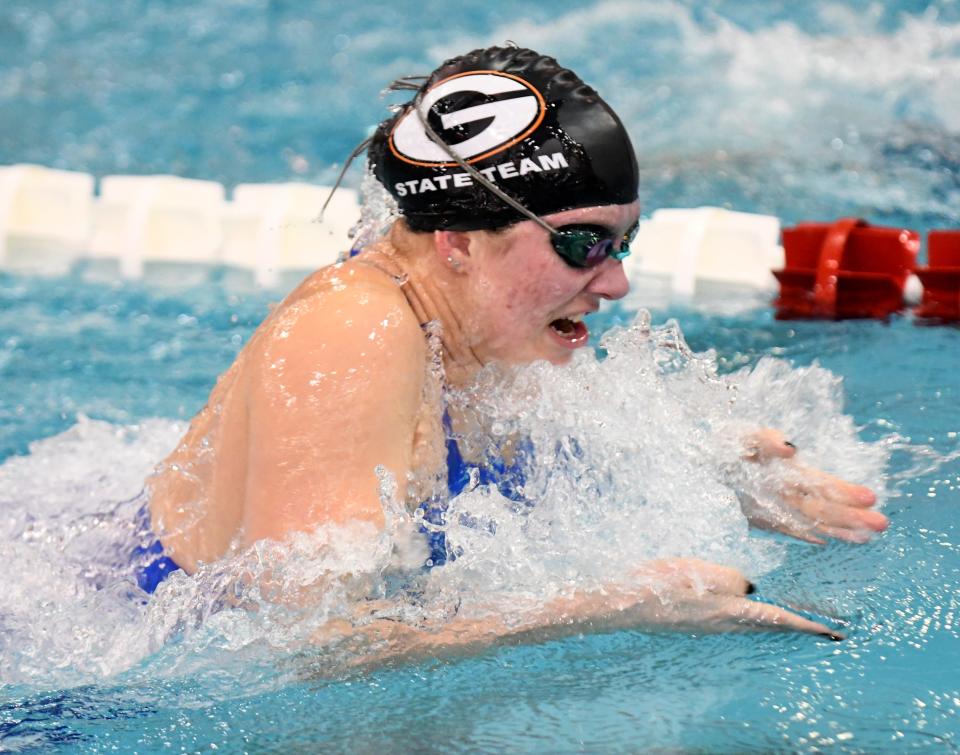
(536, 291)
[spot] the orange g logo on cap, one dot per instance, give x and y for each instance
(513, 116)
(511, 119)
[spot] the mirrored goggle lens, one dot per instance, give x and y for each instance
(587, 248)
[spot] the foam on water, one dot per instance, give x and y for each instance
(72, 609)
(631, 456)
(638, 457)
(779, 75)
(62, 525)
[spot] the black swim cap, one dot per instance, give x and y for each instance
(530, 126)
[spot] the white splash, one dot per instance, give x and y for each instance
(636, 457)
(378, 210)
(752, 86)
(631, 461)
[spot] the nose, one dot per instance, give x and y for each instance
(610, 282)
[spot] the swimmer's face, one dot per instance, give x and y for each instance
(528, 302)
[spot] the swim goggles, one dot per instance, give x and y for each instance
(586, 246)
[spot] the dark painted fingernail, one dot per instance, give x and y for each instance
(751, 588)
(832, 636)
(791, 445)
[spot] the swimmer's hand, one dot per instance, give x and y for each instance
(817, 504)
(699, 596)
(670, 595)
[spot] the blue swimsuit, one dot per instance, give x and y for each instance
(509, 479)
(150, 576)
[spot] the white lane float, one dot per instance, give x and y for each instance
(275, 228)
(50, 218)
(691, 246)
(144, 219)
(706, 256)
(45, 218)
(269, 229)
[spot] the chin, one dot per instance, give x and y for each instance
(561, 359)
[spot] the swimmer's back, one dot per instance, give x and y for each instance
(284, 442)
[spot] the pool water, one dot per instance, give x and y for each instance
(892, 684)
(825, 110)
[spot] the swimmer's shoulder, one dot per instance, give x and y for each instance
(344, 351)
(355, 282)
(355, 308)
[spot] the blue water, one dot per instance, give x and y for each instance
(127, 355)
(817, 111)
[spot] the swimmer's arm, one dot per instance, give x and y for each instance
(335, 393)
(818, 504)
(675, 595)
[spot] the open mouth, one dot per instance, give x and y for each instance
(570, 330)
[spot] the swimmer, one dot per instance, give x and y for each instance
(517, 188)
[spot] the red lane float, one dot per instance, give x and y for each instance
(941, 278)
(846, 269)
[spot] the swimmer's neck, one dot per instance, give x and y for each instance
(435, 294)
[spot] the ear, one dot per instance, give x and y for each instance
(452, 248)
